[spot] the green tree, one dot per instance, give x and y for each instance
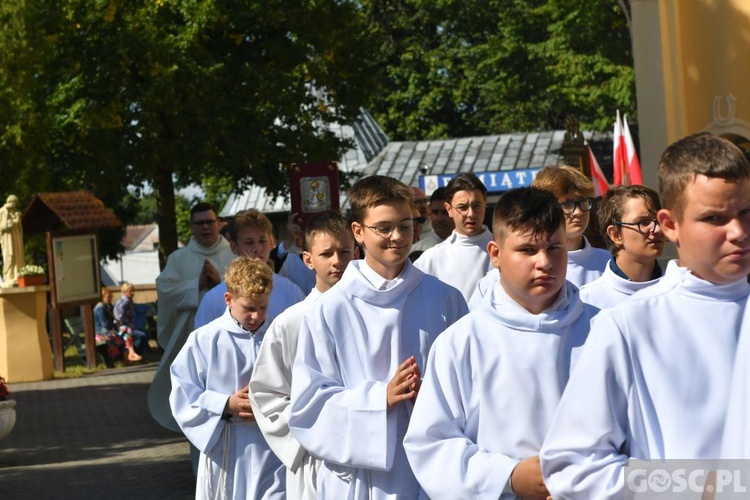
(456, 68)
(106, 94)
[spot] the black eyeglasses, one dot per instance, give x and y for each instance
(420, 220)
(405, 227)
(463, 209)
(585, 204)
(643, 226)
(207, 222)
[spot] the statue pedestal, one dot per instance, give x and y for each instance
(25, 353)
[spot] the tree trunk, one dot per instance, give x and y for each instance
(165, 206)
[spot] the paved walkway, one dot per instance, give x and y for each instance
(92, 438)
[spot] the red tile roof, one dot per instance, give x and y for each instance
(74, 210)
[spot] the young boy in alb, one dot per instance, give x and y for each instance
(575, 192)
(652, 381)
(461, 260)
(627, 216)
(330, 247)
(494, 378)
(209, 397)
(250, 235)
(361, 350)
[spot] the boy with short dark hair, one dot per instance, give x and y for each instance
(652, 381)
(575, 192)
(330, 248)
(627, 218)
(461, 260)
(494, 378)
(361, 350)
(209, 397)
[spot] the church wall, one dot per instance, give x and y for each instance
(692, 71)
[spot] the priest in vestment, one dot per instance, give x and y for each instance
(189, 273)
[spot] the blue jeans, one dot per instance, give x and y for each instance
(140, 341)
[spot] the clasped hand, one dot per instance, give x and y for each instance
(405, 383)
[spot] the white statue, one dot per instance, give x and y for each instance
(11, 239)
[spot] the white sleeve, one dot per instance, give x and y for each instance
(436, 441)
(196, 409)
(345, 425)
(586, 448)
(178, 299)
(736, 442)
(270, 389)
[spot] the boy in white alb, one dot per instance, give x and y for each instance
(330, 248)
(494, 378)
(627, 216)
(361, 350)
(250, 235)
(461, 260)
(575, 192)
(652, 381)
(209, 397)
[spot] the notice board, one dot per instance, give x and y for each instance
(76, 268)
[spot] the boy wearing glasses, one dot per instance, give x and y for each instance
(575, 192)
(330, 248)
(632, 233)
(494, 379)
(462, 259)
(652, 381)
(361, 350)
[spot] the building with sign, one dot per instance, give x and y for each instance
(502, 162)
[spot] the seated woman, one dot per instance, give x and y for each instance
(136, 340)
(108, 343)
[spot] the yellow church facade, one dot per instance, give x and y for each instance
(692, 67)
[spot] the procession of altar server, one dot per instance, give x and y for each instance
(511, 362)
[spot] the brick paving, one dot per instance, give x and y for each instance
(92, 438)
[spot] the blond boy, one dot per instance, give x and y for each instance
(209, 397)
(250, 235)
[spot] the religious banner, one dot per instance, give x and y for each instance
(314, 188)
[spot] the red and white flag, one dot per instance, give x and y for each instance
(627, 168)
(601, 185)
(634, 166)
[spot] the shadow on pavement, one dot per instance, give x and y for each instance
(92, 437)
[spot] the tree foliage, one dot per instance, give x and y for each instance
(456, 68)
(106, 94)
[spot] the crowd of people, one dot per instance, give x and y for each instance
(503, 362)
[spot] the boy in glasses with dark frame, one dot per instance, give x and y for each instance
(575, 192)
(361, 349)
(627, 216)
(652, 381)
(462, 260)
